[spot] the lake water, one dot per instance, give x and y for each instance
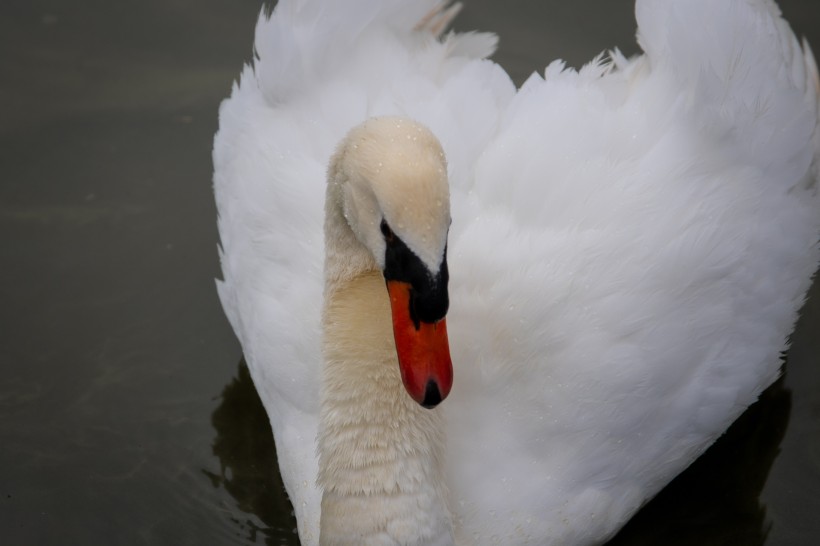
(126, 416)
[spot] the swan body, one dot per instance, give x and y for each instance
(629, 248)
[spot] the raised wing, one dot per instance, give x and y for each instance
(626, 265)
(320, 69)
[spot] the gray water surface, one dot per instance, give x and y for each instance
(126, 416)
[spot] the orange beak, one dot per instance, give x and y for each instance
(422, 348)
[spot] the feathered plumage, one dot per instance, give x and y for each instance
(630, 243)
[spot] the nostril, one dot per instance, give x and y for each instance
(432, 395)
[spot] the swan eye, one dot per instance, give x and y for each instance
(387, 232)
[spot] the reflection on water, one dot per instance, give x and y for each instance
(715, 501)
(247, 456)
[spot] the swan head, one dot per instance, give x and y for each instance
(389, 178)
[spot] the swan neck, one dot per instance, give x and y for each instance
(380, 453)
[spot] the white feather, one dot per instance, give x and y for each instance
(629, 249)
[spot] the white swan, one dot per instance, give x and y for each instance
(629, 247)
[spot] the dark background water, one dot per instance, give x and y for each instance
(126, 416)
